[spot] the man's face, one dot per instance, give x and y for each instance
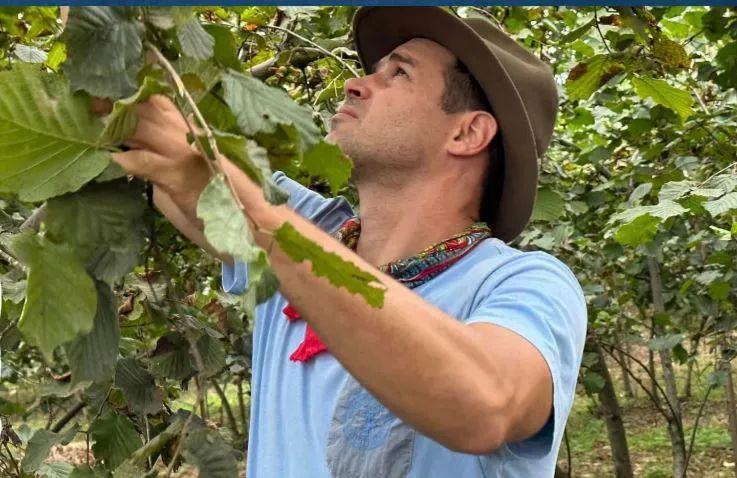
(392, 121)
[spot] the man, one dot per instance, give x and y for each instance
(469, 368)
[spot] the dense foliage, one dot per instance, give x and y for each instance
(104, 303)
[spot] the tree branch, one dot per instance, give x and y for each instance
(68, 416)
(225, 405)
(598, 28)
(323, 50)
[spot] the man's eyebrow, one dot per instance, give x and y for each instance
(397, 57)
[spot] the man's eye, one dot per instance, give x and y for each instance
(400, 71)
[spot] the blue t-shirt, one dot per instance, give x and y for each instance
(313, 420)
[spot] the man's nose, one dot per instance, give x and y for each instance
(357, 88)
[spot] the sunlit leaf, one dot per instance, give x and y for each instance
(662, 93)
(48, 138)
(724, 204)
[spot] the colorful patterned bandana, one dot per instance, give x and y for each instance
(411, 271)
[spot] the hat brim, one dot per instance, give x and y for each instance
(379, 30)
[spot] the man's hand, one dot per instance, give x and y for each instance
(161, 154)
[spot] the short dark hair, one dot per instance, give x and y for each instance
(463, 93)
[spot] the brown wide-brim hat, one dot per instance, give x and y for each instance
(519, 86)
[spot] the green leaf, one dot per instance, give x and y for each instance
(225, 49)
(48, 138)
(196, 42)
(40, 445)
(56, 470)
(666, 342)
(662, 93)
(549, 205)
(115, 438)
(578, 32)
(212, 352)
(226, 227)
(57, 55)
(104, 50)
(707, 193)
(167, 17)
(593, 382)
(172, 358)
(92, 357)
(260, 109)
(662, 210)
(724, 182)
(640, 231)
(707, 277)
(210, 454)
(123, 120)
(106, 221)
(61, 300)
(719, 290)
(640, 192)
(724, 204)
(29, 54)
(588, 77)
(328, 161)
(338, 271)
(85, 471)
(674, 190)
(734, 229)
(138, 387)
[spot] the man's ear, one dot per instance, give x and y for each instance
(473, 133)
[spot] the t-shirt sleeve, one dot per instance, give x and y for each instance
(328, 213)
(537, 297)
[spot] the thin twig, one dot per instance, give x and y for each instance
(701, 100)
(15, 463)
(598, 28)
(306, 40)
(696, 425)
(729, 166)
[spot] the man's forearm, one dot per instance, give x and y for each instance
(422, 364)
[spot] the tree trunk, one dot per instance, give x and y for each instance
(655, 393)
(675, 423)
(612, 415)
(731, 410)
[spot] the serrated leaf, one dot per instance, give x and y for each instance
(549, 205)
(138, 387)
(86, 471)
(48, 138)
(666, 342)
(329, 162)
(107, 221)
(212, 352)
(92, 357)
(724, 182)
(40, 445)
(226, 227)
(724, 204)
(172, 358)
(663, 210)
(61, 300)
(56, 470)
(167, 17)
(29, 54)
(210, 454)
(339, 272)
(115, 438)
(707, 193)
(260, 109)
(104, 50)
(593, 382)
(195, 41)
(662, 93)
(123, 120)
(588, 77)
(719, 290)
(674, 190)
(640, 231)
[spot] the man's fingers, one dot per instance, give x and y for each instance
(143, 164)
(101, 106)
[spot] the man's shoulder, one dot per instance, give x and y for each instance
(498, 264)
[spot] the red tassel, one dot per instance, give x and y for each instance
(291, 313)
(310, 347)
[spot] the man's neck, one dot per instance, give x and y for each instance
(397, 222)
